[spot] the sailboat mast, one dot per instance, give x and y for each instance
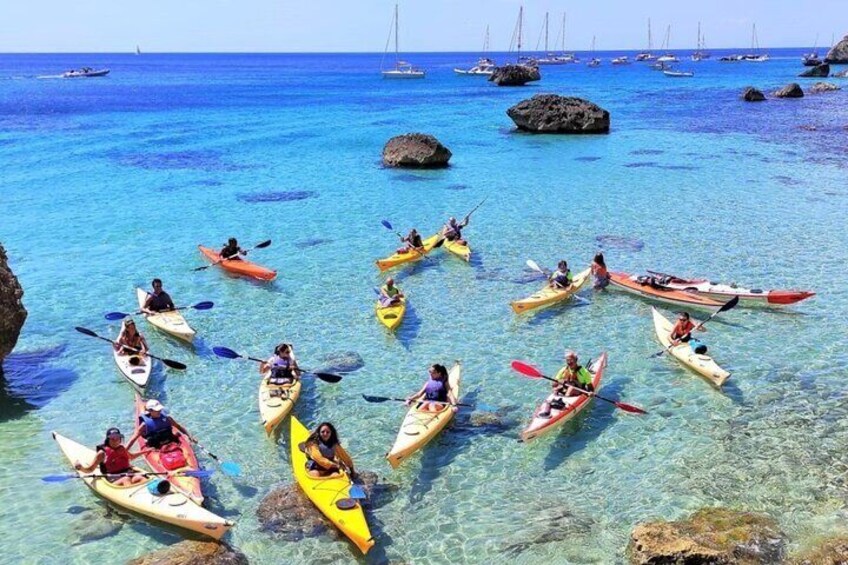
(546, 32)
(486, 41)
(650, 41)
(520, 24)
(698, 48)
(563, 32)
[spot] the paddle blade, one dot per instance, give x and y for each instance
(629, 408)
(439, 243)
(58, 478)
(526, 370)
(204, 305)
(328, 377)
(729, 305)
(535, 266)
(263, 245)
(85, 331)
(376, 399)
(657, 354)
(357, 492)
(225, 352)
(203, 268)
(231, 469)
(376, 291)
(174, 364)
(114, 316)
(387, 225)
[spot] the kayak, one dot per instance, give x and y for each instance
(573, 405)
(632, 284)
(418, 427)
(276, 401)
(173, 508)
(700, 363)
(461, 250)
(327, 492)
(239, 266)
(725, 292)
(407, 257)
(548, 296)
(190, 486)
(391, 316)
(171, 322)
(135, 368)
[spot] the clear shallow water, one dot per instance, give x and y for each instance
(108, 183)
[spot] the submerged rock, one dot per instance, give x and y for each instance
(838, 54)
(751, 94)
(341, 362)
(792, 90)
(514, 75)
(620, 242)
(551, 113)
(820, 87)
(94, 525)
(819, 71)
(833, 551)
(12, 311)
(287, 512)
(415, 150)
(193, 553)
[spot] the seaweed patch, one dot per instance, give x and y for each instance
(291, 196)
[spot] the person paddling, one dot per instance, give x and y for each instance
(156, 427)
(600, 272)
(232, 251)
(389, 293)
(571, 375)
(413, 241)
(281, 367)
(130, 340)
(324, 454)
(452, 231)
(436, 392)
(158, 300)
(114, 458)
(561, 278)
(682, 331)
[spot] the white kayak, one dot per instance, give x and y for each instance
(171, 322)
(700, 363)
(135, 368)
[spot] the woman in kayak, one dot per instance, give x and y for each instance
(282, 366)
(682, 330)
(452, 231)
(232, 251)
(130, 341)
(561, 278)
(600, 272)
(568, 377)
(389, 293)
(412, 241)
(157, 428)
(436, 392)
(114, 459)
(158, 300)
(324, 454)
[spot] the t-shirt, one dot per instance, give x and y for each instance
(160, 302)
(584, 377)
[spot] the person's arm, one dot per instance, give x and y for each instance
(452, 398)
(138, 432)
(136, 454)
(146, 308)
(345, 458)
(170, 303)
(98, 459)
(384, 293)
(416, 396)
(144, 348)
(177, 425)
(315, 454)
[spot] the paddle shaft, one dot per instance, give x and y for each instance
(423, 400)
(580, 390)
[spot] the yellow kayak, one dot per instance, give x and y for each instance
(418, 428)
(409, 256)
(463, 251)
(391, 316)
(169, 322)
(326, 492)
(700, 363)
(276, 401)
(547, 295)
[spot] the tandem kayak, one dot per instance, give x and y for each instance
(700, 363)
(135, 368)
(391, 316)
(573, 405)
(461, 250)
(725, 292)
(641, 286)
(276, 401)
(419, 427)
(408, 256)
(173, 508)
(190, 486)
(326, 493)
(171, 322)
(548, 296)
(239, 266)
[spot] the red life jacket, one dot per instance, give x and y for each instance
(116, 460)
(682, 329)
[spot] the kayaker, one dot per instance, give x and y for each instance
(130, 341)
(232, 251)
(158, 300)
(600, 272)
(389, 293)
(282, 366)
(413, 241)
(561, 278)
(682, 330)
(436, 392)
(571, 375)
(324, 454)
(453, 230)
(114, 459)
(156, 427)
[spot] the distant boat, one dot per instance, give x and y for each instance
(678, 74)
(700, 54)
(553, 58)
(484, 66)
(669, 57)
(402, 68)
(755, 56)
(516, 42)
(593, 61)
(137, 50)
(85, 72)
(647, 55)
(811, 59)
(623, 60)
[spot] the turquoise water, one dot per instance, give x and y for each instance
(109, 183)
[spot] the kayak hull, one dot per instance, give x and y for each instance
(276, 402)
(548, 296)
(410, 256)
(701, 364)
(172, 323)
(239, 267)
(463, 251)
(135, 368)
(325, 492)
(391, 316)
(725, 292)
(628, 283)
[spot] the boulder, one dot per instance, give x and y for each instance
(840, 74)
(831, 551)
(551, 113)
(710, 536)
(12, 311)
(819, 71)
(792, 90)
(193, 553)
(515, 75)
(838, 54)
(341, 362)
(751, 94)
(416, 151)
(820, 87)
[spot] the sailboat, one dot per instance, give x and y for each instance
(755, 56)
(594, 61)
(552, 58)
(484, 66)
(517, 39)
(647, 55)
(402, 68)
(137, 50)
(563, 56)
(669, 57)
(700, 54)
(811, 59)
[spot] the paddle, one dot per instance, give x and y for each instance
(228, 353)
(262, 245)
(468, 215)
(205, 305)
(228, 467)
(200, 474)
(388, 226)
(534, 373)
(169, 362)
(729, 305)
(381, 399)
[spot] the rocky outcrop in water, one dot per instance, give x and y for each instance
(820, 87)
(840, 74)
(415, 151)
(792, 90)
(341, 362)
(193, 553)
(710, 536)
(515, 75)
(751, 94)
(833, 551)
(838, 54)
(551, 113)
(819, 71)
(12, 311)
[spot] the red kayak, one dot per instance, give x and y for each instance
(647, 287)
(239, 266)
(725, 292)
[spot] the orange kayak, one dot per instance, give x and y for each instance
(239, 267)
(642, 287)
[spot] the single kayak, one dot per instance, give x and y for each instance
(172, 457)
(548, 296)
(461, 250)
(239, 266)
(418, 427)
(326, 493)
(135, 368)
(408, 256)
(173, 508)
(276, 401)
(724, 292)
(641, 286)
(171, 322)
(700, 363)
(573, 405)
(391, 316)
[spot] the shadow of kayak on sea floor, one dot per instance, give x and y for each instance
(28, 381)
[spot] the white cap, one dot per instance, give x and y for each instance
(154, 405)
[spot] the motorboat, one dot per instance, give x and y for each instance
(623, 60)
(484, 67)
(85, 72)
(678, 74)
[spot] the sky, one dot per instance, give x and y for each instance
(82, 26)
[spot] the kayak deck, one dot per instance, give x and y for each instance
(276, 401)
(391, 316)
(463, 251)
(548, 296)
(629, 283)
(239, 266)
(135, 368)
(171, 322)
(397, 259)
(725, 292)
(702, 364)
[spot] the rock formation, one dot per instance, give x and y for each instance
(820, 87)
(751, 94)
(838, 54)
(831, 551)
(12, 311)
(819, 71)
(515, 75)
(193, 553)
(551, 113)
(841, 74)
(415, 151)
(792, 90)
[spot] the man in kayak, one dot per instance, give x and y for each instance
(114, 459)
(452, 231)
(156, 427)
(569, 378)
(413, 241)
(158, 300)
(436, 393)
(682, 333)
(389, 293)
(324, 454)
(561, 278)
(232, 251)
(281, 367)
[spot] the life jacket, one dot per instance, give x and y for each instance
(172, 457)
(680, 332)
(452, 231)
(326, 452)
(281, 370)
(158, 431)
(567, 375)
(562, 279)
(127, 341)
(116, 460)
(436, 390)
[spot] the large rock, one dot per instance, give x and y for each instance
(416, 151)
(833, 551)
(193, 553)
(820, 87)
(841, 74)
(751, 94)
(792, 90)
(838, 54)
(12, 311)
(515, 75)
(551, 113)
(710, 536)
(819, 71)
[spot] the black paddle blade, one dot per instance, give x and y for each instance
(387, 225)
(113, 316)
(225, 352)
(85, 331)
(328, 377)
(263, 245)
(376, 399)
(729, 304)
(439, 243)
(174, 364)
(203, 268)
(204, 305)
